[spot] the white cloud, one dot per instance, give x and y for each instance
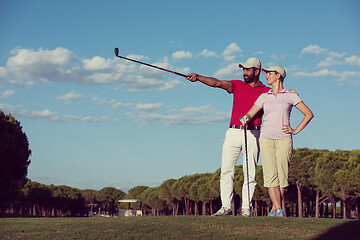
(10, 108)
(339, 76)
(333, 59)
(329, 61)
(169, 85)
(6, 94)
(186, 116)
(231, 51)
(274, 56)
(232, 48)
(321, 73)
(163, 63)
(208, 53)
(98, 100)
(89, 119)
(142, 82)
(277, 57)
(136, 57)
(67, 98)
(28, 67)
(149, 107)
(26, 57)
(181, 55)
(315, 49)
(2, 72)
(201, 109)
(18, 111)
(268, 64)
(101, 78)
(229, 58)
(183, 70)
(47, 114)
(206, 114)
(120, 105)
(353, 60)
(96, 63)
(293, 68)
(232, 70)
(114, 103)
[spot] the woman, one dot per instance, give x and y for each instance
(276, 135)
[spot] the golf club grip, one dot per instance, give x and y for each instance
(149, 65)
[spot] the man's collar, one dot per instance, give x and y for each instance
(260, 84)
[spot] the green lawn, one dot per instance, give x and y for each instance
(178, 227)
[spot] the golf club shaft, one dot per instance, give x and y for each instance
(116, 50)
(247, 165)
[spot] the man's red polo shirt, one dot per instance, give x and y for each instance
(244, 98)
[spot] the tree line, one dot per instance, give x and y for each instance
(323, 183)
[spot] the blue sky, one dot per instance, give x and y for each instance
(94, 120)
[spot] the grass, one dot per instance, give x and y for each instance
(178, 227)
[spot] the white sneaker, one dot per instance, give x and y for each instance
(245, 213)
(223, 212)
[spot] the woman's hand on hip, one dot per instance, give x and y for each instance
(288, 129)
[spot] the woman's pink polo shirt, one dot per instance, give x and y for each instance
(276, 112)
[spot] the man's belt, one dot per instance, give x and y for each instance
(242, 127)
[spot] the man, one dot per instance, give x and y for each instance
(245, 94)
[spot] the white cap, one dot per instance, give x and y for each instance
(276, 68)
(251, 63)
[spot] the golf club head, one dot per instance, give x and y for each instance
(116, 51)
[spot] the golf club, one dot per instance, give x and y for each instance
(247, 167)
(116, 51)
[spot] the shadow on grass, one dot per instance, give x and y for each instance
(346, 231)
(11, 215)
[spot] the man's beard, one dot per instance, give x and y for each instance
(249, 78)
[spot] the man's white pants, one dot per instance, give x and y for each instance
(233, 145)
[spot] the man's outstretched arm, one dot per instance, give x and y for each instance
(210, 81)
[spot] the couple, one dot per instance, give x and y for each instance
(252, 101)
